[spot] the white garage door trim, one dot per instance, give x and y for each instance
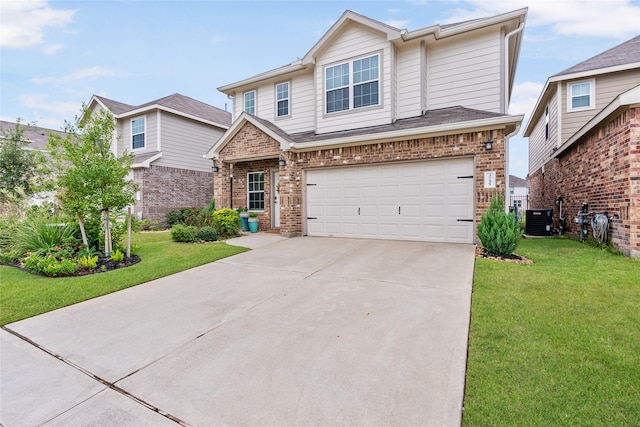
(431, 200)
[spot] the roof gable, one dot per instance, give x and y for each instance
(347, 18)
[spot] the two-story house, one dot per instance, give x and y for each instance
(584, 143)
(168, 137)
(376, 132)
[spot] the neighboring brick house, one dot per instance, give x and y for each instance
(168, 138)
(584, 143)
(376, 132)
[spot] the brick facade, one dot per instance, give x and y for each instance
(250, 141)
(163, 189)
(603, 170)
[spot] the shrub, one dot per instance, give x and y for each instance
(9, 256)
(208, 234)
(89, 262)
(174, 217)
(499, 232)
(43, 235)
(117, 256)
(191, 216)
(184, 233)
(50, 265)
(226, 222)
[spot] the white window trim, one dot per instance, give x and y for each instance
(592, 95)
(146, 139)
(288, 98)
(255, 102)
(351, 84)
(261, 191)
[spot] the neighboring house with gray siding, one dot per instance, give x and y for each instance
(377, 132)
(168, 138)
(584, 140)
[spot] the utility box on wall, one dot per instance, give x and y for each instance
(539, 222)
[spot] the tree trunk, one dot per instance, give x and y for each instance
(107, 232)
(83, 232)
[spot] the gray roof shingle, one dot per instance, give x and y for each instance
(37, 136)
(177, 102)
(625, 53)
(429, 118)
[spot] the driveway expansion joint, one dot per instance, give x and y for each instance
(95, 377)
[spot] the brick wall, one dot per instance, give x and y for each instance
(291, 175)
(163, 189)
(603, 170)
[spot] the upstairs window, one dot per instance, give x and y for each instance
(250, 102)
(546, 123)
(282, 99)
(138, 128)
(255, 191)
(581, 95)
(354, 84)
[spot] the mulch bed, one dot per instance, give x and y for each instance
(513, 258)
(107, 262)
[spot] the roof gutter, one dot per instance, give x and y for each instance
(429, 131)
(294, 66)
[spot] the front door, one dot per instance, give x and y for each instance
(275, 200)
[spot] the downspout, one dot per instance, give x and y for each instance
(506, 66)
(506, 163)
(506, 110)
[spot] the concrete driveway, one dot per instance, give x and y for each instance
(303, 331)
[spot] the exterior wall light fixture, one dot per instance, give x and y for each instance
(282, 162)
(215, 168)
(488, 145)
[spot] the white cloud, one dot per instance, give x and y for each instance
(396, 23)
(23, 22)
(40, 102)
(524, 97)
(51, 49)
(618, 19)
(81, 74)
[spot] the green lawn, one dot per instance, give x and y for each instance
(556, 343)
(24, 295)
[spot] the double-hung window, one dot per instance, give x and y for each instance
(137, 133)
(581, 95)
(354, 84)
(250, 102)
(282, 99)
(255, 191)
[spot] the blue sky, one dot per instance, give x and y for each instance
(54, 55)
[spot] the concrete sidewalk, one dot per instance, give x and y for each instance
(304, 331)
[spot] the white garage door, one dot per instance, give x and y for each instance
(428, 201)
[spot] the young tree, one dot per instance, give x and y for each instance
(92, 179)
(19, 166)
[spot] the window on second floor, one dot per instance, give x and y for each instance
(138, 129)
(351, 85)
(581, 95)
(282, 99)
(250, 102)
(546, 122)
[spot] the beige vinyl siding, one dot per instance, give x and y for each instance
(466, 72)
(608, 87)
(150, 137)
(409, 79)
(355, 41)
(184, 141)
(301, 104)
(540, 148)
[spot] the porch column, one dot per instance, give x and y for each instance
(290, 196)
(221, 187)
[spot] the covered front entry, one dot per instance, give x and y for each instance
(428, 200)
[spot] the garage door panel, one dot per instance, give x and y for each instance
(363, 201)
